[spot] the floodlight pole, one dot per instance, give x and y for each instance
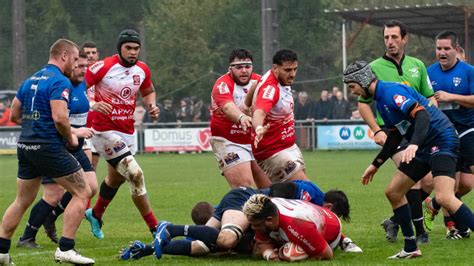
(344, 54)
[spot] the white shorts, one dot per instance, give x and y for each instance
(282, 165)
(112, 144)
(229, 154)
(88, 145)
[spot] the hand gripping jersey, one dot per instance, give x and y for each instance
(304, 224)
(226, 90)
(458, 80)
(117, 85)
(394, 101)
(277, 102)
(35, 95)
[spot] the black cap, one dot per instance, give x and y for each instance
(127, 36)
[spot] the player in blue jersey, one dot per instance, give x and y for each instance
(453, 83)
(40, 106)
(433, 145)
(54, 200)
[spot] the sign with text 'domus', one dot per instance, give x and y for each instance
(177, 139)
(345, 137)
(8, 140)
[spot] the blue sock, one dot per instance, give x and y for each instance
(206, 234)
(66, 244)
(178, 247)
(37, 216)
(5, 245)
(403, 216)
(463, 217)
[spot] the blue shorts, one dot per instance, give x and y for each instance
(81, 157)
(45, 159)
(466, 151)
(233, 200)
(446, 145)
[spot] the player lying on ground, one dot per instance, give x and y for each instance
(234, 234)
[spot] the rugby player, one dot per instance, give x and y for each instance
(432, 146)
(117, 80)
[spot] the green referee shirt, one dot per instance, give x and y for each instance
(411, 72)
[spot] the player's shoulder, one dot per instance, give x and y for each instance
(143, 66)
(255, 76)
(414, 61)
(103, 64)
(226, 78)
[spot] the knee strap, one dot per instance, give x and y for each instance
(131, 171)
(237, 230)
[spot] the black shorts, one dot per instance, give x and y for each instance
(466, 151)
(233, 200)
(40, 159)
(81, 157)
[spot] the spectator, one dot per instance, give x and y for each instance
(185, 113)
(333, 97)
(5, 116)
(341, 108)
(200, 111)
(139, 114)
(323, 107)
(303, 106)
(167, 115)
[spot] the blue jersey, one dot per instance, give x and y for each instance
(394, 101)
(308, 191)
(457, 80)
(78, 108)
(35, 95)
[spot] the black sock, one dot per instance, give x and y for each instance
(403, 215)
(463, 217)
(66, 244)
(446, 220)
(37, 216)
(62, 204)
(5, 245)
(394, 219)
(414, 199)
(178, 247)
(206, 234)
(424, 195)
(435, 204)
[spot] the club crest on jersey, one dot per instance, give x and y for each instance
(136, 79)
(65, 94)
(223, 89)
(125, 92)
(231, 157)
(399, 99)
(268, 92)
(414, 72)
(305, 196)
(456, 81)
(434, 149)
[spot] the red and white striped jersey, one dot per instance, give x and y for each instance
(118, 86)
(309, 226)
(277, 102)
(226, 90)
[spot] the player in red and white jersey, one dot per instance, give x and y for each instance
(117, 80)
(277, 221)
(230, 124)
(273, 121)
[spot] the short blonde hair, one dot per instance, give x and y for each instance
(257, 206)
(60, 46)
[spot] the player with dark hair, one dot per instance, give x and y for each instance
(201, 212)
(273, 121)
(453, 82)
(230, 123)
(54, 200)
(433, 145)
(117, 80)
(277, 221)
(40, 106)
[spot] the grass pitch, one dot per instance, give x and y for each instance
(176, 182)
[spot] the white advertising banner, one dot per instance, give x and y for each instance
(177, 139)
(345, 137)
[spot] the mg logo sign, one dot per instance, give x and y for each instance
(345, 133)
(359, 133)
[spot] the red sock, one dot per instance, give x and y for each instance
(100, 206)
(88, 204)
(150, 220)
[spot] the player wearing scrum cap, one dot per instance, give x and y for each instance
(433, 145)
(117, 80)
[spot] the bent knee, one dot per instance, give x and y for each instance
(226, 240)
(393, 195)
